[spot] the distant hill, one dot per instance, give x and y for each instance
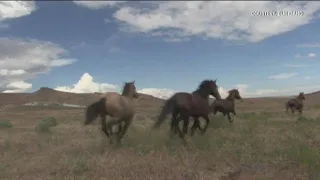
(145, 102)
(45, 94)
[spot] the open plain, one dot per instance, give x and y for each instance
(263, 143)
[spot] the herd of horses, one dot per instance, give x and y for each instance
(181, 105)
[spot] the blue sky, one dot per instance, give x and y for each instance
(164, 46)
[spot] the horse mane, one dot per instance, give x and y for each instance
(301, 94)
(204, 84)
(126, 89)
(231, 92)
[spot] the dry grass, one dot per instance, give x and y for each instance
(259, 145)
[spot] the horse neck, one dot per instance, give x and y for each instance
(230, 97)
(202, 93)
(127, 93)
(299, 99)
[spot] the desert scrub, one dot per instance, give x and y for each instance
(5, 124)
(79, 165)
(45, 124)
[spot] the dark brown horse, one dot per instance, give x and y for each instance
(296, 103)
(185, 105)
(227, 105)
(120, 106)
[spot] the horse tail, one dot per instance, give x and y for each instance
(94, 110)
(167, 108)
(287, 106)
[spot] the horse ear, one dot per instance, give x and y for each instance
(133, 82)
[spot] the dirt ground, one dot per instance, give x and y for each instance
(264, 145)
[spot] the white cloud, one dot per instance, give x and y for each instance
(21, 60)
(159, 93)
(242, 88)
(282, 76)
(114, 49)
(97, 4)
(307, 77)
(106, 20)
(245, 93)
(285, 91)
(311, 55)
(16, 9)
(17, 87)
(214, 19)
(77, 46)
(298, 55)
(87, 85)
(295, 65)
(111, 43)
(7, 72)
(62, 62)
(309, 45)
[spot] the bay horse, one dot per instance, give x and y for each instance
(296, 103)
(185, 105)
(120, 106)
(227, 105)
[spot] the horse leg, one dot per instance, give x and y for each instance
(214, 112)
(119, 128)
(230, 119)
(104, 124)
(235, 114)
(207, 124)
(196, 124)
(292, 110)
(185, 117)
(185, 125)
(174, 121)
(125, 128)
(111, 123)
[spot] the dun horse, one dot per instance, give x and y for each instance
(296, 103)
(185, 105)
(116, 106)
(227, 105)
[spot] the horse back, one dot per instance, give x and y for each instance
(192, 102)
(223, 103)
(294, 103)
(182, 99)
(118, 105)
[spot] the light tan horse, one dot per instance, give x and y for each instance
(120, 106)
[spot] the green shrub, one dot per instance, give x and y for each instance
(5, 124)
(45, 124)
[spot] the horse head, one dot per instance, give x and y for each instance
(301, 96)
(213, 88)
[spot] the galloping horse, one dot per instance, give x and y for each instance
(186, 105)
(114, 105)
(296, 103)
(227, 105)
